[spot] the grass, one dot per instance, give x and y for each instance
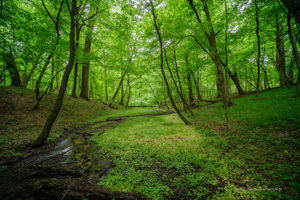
(258, 159)
(19, 125)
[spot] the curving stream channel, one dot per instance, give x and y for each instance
(69, 169)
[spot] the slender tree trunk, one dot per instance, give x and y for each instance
(291, 71)
(76, 63)
(122, 102)
(86, 68)
(280, 56)
(211, 36)
(175, 84)
(258, 51)
(188, 76)
(106, 95)
(295, 53)
(197, 85)
(129, 91)
(60, 97)
(162, 68)
(52, 74)
(117, 90)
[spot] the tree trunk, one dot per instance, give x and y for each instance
(197, 85)
(13, 71)
(52, 74)
(117, 90)
(211, 36)
(60, 97)
(122, 102)
(291, 71)
(76, 63)
(188, 76)
(85, 68)
(162, 67)
(129, 91)
(258, 51)
(295, 53)
(185, 105)
(280, 56)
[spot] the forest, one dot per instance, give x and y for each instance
(152, 99)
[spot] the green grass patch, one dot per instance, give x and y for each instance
(258, 159)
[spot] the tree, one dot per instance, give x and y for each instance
(60, 97)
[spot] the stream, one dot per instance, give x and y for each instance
(70, 169)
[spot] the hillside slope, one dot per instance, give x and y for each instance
(19, 125)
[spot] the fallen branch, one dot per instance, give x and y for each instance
(65, 194)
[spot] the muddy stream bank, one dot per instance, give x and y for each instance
(68, 169)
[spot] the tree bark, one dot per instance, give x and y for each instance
(85, 68)
(13, 70)
(162, 66)
(60, 97)
(185, 105)
(258, 50)
(52, 74)
(188, 77)
(197, 85)
(280, 56)
(295, 53)
(56, 23)
(129, 91)
(291, 71)
(78, 29)
(117, 90)
(122, 91)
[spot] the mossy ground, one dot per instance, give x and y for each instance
(258, 159)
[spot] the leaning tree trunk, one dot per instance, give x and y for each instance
(13, 71)
(185, 105)
(162, 67)
(85, 69)
(60, 97)
(295, 52)
(118, 88)
(27, 78)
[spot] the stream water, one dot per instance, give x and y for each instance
(70, 164)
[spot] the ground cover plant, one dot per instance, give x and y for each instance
(193, 99)
(160, 157)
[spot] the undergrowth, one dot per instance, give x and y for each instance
(258, 159)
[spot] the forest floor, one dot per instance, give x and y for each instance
(156, 156)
